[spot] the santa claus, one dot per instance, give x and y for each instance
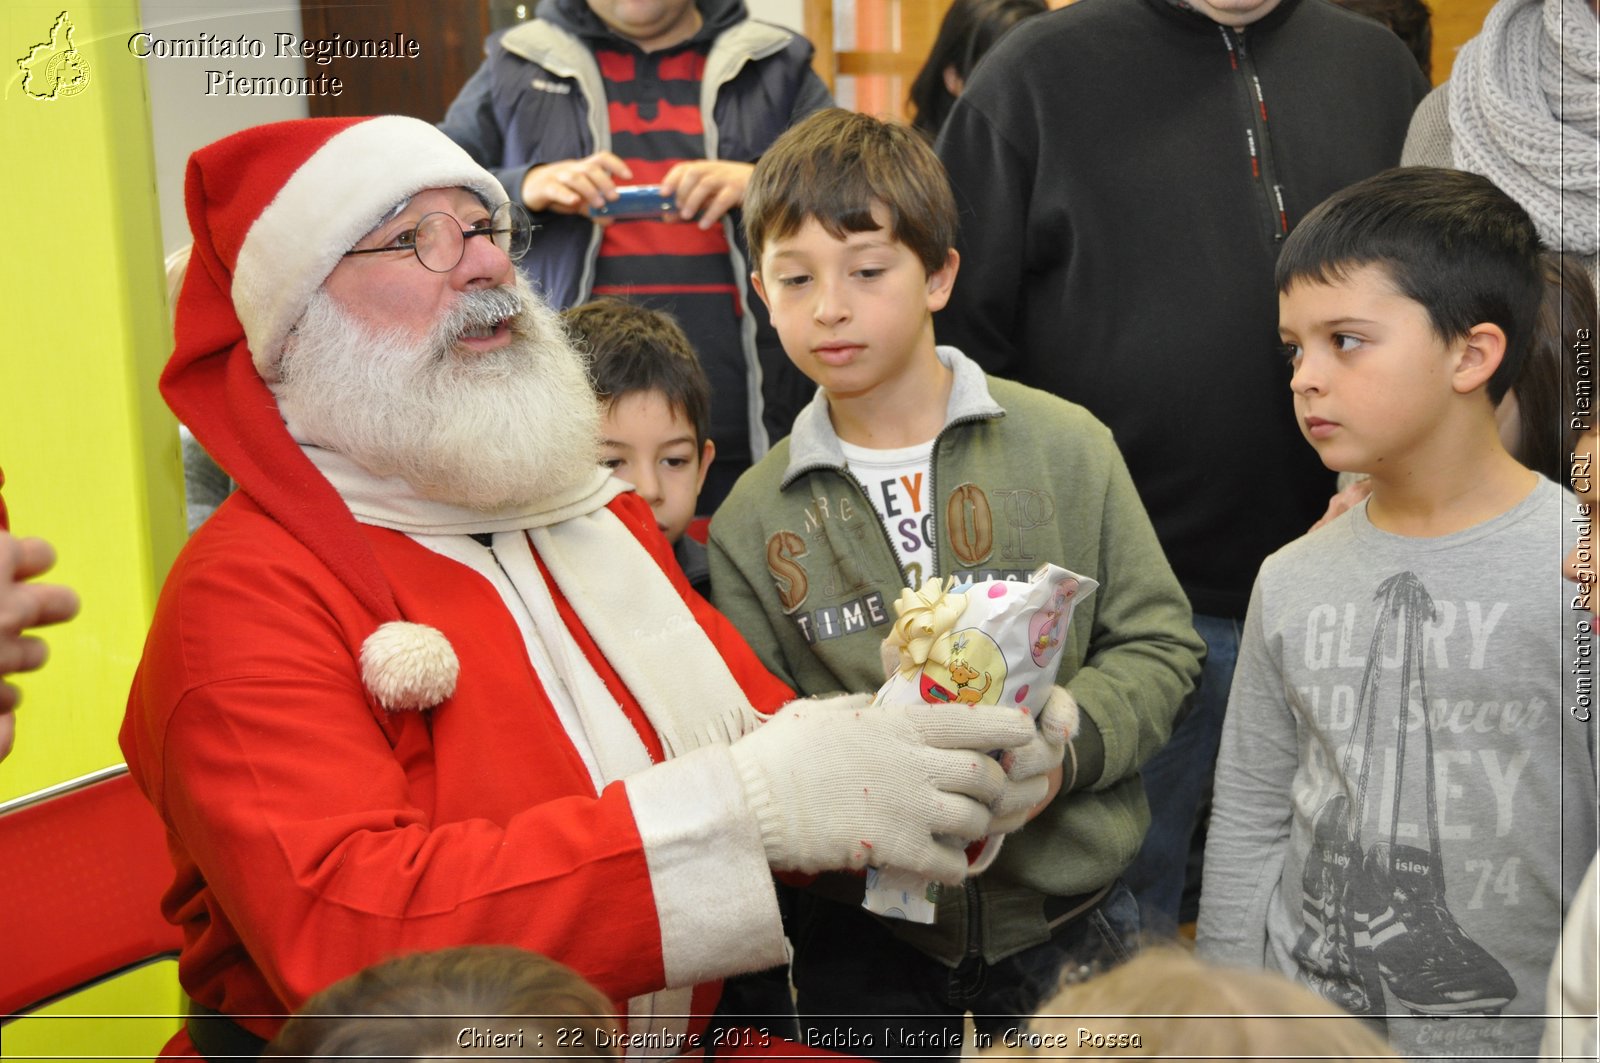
(431, 677)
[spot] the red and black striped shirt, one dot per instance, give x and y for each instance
(653, 101)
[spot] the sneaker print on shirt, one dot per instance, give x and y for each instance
(1376, 915)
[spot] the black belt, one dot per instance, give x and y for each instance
(218, 1037)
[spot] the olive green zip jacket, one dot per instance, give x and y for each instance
(803, 567)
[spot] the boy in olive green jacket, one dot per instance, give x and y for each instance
(909, 464)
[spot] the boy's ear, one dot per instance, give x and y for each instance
(943, 280)
(761, 289)
(708, 453)
(1479, 354)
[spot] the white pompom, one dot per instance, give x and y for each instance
(409, 666)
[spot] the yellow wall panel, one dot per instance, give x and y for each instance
(89, 451)
(90, 455)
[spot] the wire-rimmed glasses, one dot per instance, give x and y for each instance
(440, 242)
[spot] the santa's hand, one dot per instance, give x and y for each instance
(839, 784)
(1031, 772)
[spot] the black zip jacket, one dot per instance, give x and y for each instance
(1126, 172)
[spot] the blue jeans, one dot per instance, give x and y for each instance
(1177, 781)
(867, 993)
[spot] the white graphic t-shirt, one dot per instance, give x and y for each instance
(897, 482)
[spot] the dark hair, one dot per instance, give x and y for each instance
(833, 167)
(970, 28)
(632, 348)
(1560, 356)
(1410, 20)
(416, 1006)
(1449, 240)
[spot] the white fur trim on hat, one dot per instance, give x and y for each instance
(334, 199)
(409, 666)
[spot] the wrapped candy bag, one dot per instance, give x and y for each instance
(990, 643)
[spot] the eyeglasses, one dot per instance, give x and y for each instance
(440, 242)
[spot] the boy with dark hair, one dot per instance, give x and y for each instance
(655, 416)
(657, 411)
(1399, 777)
(911, 464)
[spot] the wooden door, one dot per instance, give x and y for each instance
(868, 51)
(1454, 23)
(448, 40)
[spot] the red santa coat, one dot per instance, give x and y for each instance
(315, 833)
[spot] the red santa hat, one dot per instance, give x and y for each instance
(273, 209)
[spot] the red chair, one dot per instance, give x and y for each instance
(85, 865)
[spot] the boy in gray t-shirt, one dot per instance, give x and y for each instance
(1401, 777)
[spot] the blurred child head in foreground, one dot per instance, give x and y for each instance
(475, 1001)
(1165, 1002)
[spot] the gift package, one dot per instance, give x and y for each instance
(963, 643)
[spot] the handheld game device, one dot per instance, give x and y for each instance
(638, 203)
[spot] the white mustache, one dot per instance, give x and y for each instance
(480, 309)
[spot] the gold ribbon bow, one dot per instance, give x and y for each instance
(927, 618)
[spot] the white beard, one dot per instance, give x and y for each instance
(487, 431)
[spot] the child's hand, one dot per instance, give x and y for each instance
(1347, 499)
(1033, 773)
(889, 657)
(572, 186)
(25, 605)
(707, 187)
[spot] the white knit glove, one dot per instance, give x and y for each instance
(1027, 767)
(842, 784)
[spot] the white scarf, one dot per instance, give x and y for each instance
(1524, 112)
(628, 606)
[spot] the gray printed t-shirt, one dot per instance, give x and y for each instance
(1416, 874)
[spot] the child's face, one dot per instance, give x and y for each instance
(852, 313)
(1371, 378)
(651, 445)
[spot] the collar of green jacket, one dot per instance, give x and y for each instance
(813, 444)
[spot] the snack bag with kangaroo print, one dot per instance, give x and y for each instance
(961, 643)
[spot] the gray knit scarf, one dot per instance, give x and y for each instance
(1525, 113)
